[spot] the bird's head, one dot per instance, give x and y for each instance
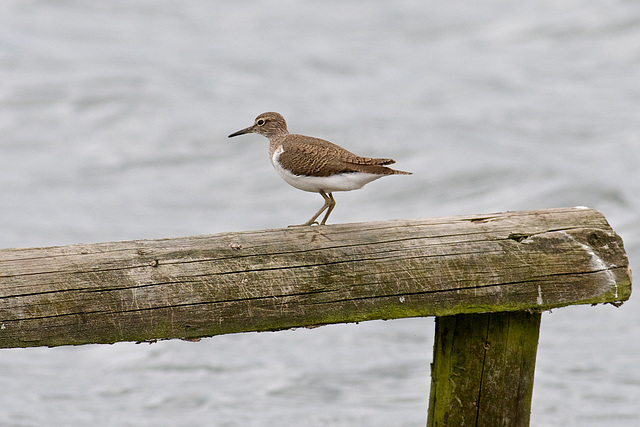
(267, 124)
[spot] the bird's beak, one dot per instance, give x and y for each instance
(242, 132)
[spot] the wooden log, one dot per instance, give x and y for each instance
(482, 371)
(276, 279)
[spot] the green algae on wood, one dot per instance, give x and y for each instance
(482, 371)
(270, 280)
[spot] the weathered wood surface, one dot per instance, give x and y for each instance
(482, 371)
(276, 279)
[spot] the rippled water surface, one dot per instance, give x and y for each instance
(113, 124)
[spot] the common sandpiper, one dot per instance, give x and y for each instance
(315, 165)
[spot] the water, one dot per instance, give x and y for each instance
(114, 119)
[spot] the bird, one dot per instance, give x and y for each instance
(314, 164)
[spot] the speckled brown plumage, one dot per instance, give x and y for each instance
(314, 164)
(305, 155)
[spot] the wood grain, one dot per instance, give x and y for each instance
(482, 371)
(267, 280)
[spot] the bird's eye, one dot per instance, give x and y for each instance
(260, 122)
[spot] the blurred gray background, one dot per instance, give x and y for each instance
(114, 119)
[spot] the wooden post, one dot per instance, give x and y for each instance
(482, 371)
(485, 277)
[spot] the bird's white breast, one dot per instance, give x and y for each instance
(338, 182)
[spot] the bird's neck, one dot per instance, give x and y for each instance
(276, 141)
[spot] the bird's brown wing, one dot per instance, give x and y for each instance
(304, 155)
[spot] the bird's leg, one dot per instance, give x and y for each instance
(327, 204)
(332, 204)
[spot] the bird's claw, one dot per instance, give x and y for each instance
(305, 224)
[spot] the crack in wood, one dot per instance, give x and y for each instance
(279, 278)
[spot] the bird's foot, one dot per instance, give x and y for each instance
(305, 224)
